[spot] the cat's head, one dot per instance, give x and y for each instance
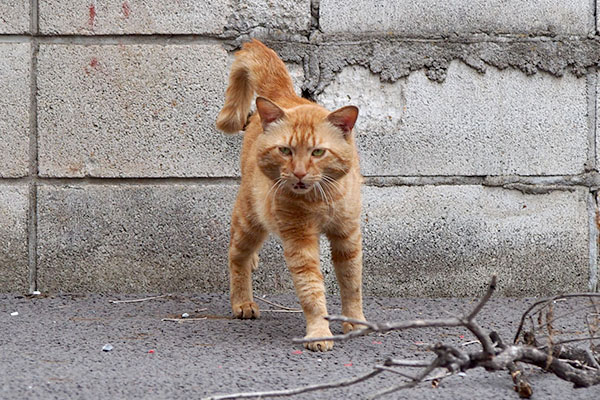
(306, 148)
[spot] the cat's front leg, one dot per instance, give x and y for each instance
(302, 257)
(346, 254)
(245, 242)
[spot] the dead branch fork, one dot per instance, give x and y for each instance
(575, 365)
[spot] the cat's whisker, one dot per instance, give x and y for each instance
(281, 184)
(335, 184)
(277, 182)
(328, 186)
(324, 193)
(315, 191)
(317, 186)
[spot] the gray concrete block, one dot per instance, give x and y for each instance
(500, 122)
(110, 238)
(14, 265)
(83, 17)
(426, 18)
(15, 74)
(14, 16)
(419, 241)
(133, 111)
(449, 240)
(288, 16)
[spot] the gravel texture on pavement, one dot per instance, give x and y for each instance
(53, 349)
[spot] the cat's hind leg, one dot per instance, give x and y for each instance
(246, 240)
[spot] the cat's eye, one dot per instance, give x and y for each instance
(286, 151)
(318, 152)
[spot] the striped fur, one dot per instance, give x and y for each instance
(300, 179)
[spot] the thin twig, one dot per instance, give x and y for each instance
(467, 322)
(592, 326)
(585, 339)
(290, 392)
(545, 302)
(484, 299)
(411, 377)
(577, 364)
(139, 300)
(383, 328)
(556, 318)
(413, 383)
(183, 319)
(341, 318)
(395, 371)
(406, 363)
(279, 305)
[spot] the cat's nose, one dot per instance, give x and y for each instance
(299, 174)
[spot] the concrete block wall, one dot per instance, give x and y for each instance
(477, 135)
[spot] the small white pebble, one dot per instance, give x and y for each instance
(14, 314)
(185, 315)
(36, 293)
(107, 347)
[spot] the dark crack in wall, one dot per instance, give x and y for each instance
(396, 59)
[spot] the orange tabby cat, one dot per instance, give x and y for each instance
(300, 178)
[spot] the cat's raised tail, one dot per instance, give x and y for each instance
(256, 70)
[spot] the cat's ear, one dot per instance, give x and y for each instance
(269, 112)
(344, 118)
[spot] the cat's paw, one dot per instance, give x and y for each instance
(246, 310)
(349, 326)
(324, 345)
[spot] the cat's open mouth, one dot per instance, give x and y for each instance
(300, 187)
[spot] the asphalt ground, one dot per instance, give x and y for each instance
(53, 349)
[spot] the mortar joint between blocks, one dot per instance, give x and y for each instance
(35, 19)
(595, 16)
(594, 216)
(32, 216)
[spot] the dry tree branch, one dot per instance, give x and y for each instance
(467, 321)
(522, 386)
(578, 366)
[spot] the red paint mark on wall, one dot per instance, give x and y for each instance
(92, 15)
(126, 9)
(94, 62)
